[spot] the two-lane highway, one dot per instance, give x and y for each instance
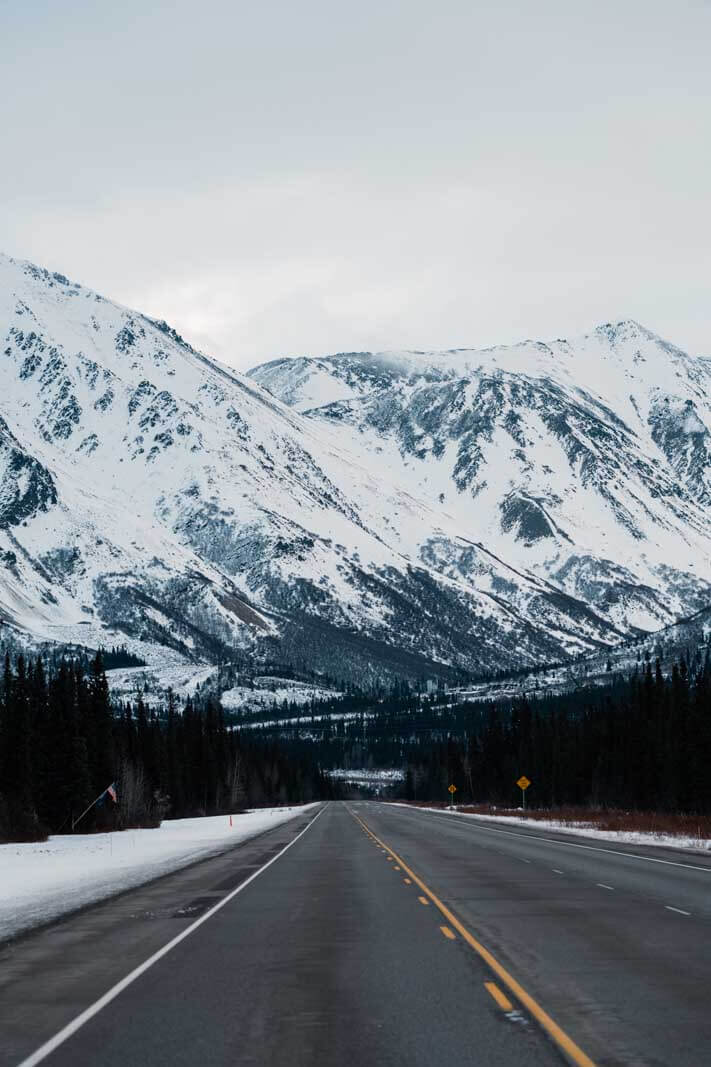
(378, 934)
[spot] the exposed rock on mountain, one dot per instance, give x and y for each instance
(584, 463)
(368, 515)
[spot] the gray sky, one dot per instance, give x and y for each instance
(311, 177)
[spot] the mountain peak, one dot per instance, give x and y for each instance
(625, 330)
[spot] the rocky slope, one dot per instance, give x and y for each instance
(149, 493)
(583, 463)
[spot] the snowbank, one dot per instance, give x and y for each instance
(43, 880)
(622, 837)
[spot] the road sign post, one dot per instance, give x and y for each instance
(452, 789)
(523, 784)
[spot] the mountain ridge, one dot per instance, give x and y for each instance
(639, 412)
(153, 496)
(242, 534)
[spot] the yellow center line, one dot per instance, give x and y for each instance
(396, 868)
(423, 900)
(448, 933)
(407, 881)
(564, 1042)
(501, 999)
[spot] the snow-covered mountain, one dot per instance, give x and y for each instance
(366, 515)
(584, 463)
(146, 491)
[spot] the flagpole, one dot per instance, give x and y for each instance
(75, 821)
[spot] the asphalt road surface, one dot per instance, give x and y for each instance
(377, 934)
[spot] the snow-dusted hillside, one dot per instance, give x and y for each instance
(148, 493)
(583, 463)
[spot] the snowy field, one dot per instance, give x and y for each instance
(153, 683)
(367, 775)
(43, 880)
(622, 837)
(268, 692)
(186, 679)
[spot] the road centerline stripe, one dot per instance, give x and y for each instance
(500, 997)
(448, 933)
(679, 911)
(559, 1036)
(85, 1016)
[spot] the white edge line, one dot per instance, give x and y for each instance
(76, 1024)
(603, 886)
(554, 841)
(679, 911)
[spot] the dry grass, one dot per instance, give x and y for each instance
(646, 822)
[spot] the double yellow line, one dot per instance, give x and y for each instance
(558, 1035)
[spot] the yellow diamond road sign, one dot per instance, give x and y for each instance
(452, 789)
(523, 782)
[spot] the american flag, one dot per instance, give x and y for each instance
(112, 792)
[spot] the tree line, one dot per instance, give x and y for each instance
(642, 744)
(63, 743)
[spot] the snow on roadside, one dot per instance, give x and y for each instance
(622, 837)
(42, 880)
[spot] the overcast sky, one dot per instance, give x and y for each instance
(312, 177)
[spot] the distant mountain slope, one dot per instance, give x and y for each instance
(146, 491)
(584, 463)
(687, 639)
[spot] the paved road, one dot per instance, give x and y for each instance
(615, 942)
(379, 935)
